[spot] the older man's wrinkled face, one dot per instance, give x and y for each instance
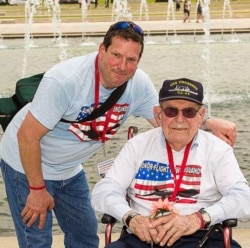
(180, 120)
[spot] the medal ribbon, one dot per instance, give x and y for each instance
(108, 116)
(177, 182)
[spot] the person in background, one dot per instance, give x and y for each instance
(186, 10)
(191, 174)
(41, 156)
(107, 3)
(80, 3)
(177, 5)
(87, 3)
(96, 3)
(199, 6)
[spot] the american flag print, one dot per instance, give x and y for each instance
(111, 124)
(155, 181)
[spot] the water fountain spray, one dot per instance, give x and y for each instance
(144, 6)
(206, 54)
(84, 11)
(226, 6)
(31, 8)
(121, 11)
(2, 46)
(171, 11)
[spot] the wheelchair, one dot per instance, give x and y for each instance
(225, 227)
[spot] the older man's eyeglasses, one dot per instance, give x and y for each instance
(186, 112)
(126, 25)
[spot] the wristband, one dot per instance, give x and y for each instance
(199, 215)
(129, 218)
(37, 188)
(206, 217)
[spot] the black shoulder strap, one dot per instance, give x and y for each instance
(113, 98)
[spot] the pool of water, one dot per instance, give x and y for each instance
(221, 64)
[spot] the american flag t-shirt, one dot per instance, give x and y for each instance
(154, 180)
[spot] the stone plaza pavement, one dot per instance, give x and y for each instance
(241, 235)
(15, 30)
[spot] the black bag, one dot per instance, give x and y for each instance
(8, 109)
(24, 93)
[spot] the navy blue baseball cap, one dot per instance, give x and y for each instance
(182, 88)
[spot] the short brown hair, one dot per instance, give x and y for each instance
(129, 32)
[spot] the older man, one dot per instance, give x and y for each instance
(196, 171)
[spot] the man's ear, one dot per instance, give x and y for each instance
(101, 48)
(158, 114)
(202, 113)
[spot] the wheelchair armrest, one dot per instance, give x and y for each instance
(225, 227)
(108, 219)
(110, 222)
(230, 223)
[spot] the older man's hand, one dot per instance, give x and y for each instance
(171, 227)
(139, 226)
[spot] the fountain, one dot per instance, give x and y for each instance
(206, 55)
(121, 11)
(226, 6)
(84, 11)
(2, 46)
(229, 77)
(143, 6)
(228, 9)
(31, 8)
(171, 11)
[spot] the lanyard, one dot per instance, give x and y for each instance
(177, 182)
(108, 116)
(97, 82)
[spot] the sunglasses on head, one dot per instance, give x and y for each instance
(126, 25)
(186, 112)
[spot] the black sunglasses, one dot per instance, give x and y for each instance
(126, 25)
(186, 112)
